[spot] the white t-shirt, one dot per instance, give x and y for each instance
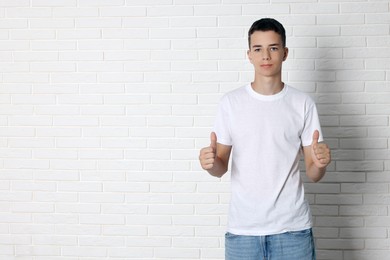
(266, 134)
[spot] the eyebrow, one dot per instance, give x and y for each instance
(273, 44)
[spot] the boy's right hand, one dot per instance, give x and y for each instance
(208, 154)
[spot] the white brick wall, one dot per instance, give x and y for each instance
(105, 104)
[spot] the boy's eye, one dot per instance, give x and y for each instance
(274, 49)
(257, 50)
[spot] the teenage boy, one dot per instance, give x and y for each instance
(265, 126)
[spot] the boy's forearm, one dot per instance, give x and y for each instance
(315, 173)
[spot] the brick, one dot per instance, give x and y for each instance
(339, 199)
(121, 11)
(57, 240)
(101, 3)
(193, 22)
(312, 75)
(376, 221)
(81, 55)
(15, 3)
(102, 219)
(54, 3)
(112, 120)
(363, 144)
(323, 53)
(199, 242)
(147, 66)
(22, 12)
(101, 241)
(136, 33)
(125, 252)
(378, 41)
(212, 10)
(363, 121)
(188, 253)
(124, 231)
(377, 17)
(365, 210)
(84, 251)
(49, 175)
(167, 77)
(329, 254)
(71, 121)
(344, 109)
(144, 44)
(68, 229)
(25, 77)
(196, 220)
(368, 30)
(172, 33)
(361, 75)
(75, 12)
(100, 44)
(321, 8)
(324, 221)
(98, 110)
(171, 231)
(222, 55)
(199, 44)
(33, 35)
(378, 176)
(219, 33)
(120, 165)
(377, 244)
(316, 31)
(142, 154)
(366, 254)
(55, 23)
(33, 208)
(68, 164)
(194, 66)
(212, 77)
(364, 7)
(119, 77)
(14, 24)
(381, 199)
(174, 99)
(331, 19)
(340, 243)
(318, 188)
(67, 208)
(81, 34)
(377, 64)
(170, 11)
(359, 166)
(102, 176)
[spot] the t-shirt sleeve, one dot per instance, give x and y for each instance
(222, 122)
(311, 124)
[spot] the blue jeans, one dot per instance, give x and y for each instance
(297, 245)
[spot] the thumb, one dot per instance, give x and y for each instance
(213, 140)
(316, 136)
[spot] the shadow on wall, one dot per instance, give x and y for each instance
(344, 204)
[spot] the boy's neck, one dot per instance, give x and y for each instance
(267, 87)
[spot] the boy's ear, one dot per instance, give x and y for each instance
(285, 53)
(248, 53)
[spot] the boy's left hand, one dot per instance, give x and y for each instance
(320, 152)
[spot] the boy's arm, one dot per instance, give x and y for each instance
(317, 157)
(215, 158)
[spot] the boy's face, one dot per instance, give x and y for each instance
(267, 53)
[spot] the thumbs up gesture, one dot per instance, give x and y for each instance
(320, 152)
(207, 154)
